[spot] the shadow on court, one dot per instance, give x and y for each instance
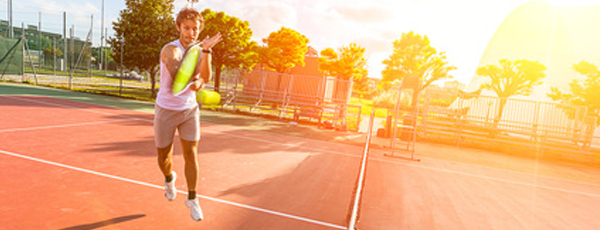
(317, 187)
(24, 89)
(105, 223)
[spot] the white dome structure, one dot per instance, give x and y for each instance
(556, 36)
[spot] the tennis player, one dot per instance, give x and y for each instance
(181, 112)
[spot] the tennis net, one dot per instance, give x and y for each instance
(353, 215)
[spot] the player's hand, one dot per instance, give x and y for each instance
(197, 84)
(209, 42)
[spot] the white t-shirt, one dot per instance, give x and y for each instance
(165, 98)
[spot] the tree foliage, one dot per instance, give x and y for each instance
(414, 56)
(586, 93)
(511, 78)
(284, 50)
(236, 50)
(144, 26)
(98, 52)
(39, 43)
(349, 64)
(51, 51)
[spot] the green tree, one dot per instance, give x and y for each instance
(106, 52)
(586, 93)
(511, 79)
(413, 56)
(284, 50)
(37, 43)
(236, 50)
(51, 51)
(96, 55)
(350, 64)
(144, 26)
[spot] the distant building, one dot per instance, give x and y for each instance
(434, 87)
(32, 35)
(304, 81)
(454, 85)
(311, 64)
(36, 48)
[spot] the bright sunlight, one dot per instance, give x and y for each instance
(573, 2)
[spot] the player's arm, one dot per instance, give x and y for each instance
(171, 56)
(205, 66)
(203, 71)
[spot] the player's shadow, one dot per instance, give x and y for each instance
(234, 141)
(317, 186)
(105, 223)
(144, 147)
(273, 124)
(224, 132)
(135, 119)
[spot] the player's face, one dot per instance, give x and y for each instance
(188, 31)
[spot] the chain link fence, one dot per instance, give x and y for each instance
(325, 100)
(464, 119)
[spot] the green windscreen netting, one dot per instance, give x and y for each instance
(11, 56)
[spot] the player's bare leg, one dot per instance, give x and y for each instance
(190, 155)
(165, 159)
(165, 163)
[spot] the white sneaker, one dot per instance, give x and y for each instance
(170, 191)
(196, 211)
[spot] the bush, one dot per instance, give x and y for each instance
(386, 99)
(368, 95)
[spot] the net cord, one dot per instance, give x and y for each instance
(361, 176)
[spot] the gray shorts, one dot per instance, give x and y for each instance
(186, 122)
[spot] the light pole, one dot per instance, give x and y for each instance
(192, 2)
(10, 21)
(121, 78)
(101, 66)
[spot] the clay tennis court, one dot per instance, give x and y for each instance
(72, 165)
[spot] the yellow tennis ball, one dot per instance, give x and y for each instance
(208, 97)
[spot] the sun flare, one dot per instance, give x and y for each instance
(573, 2)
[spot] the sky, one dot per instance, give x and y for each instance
(460, 28)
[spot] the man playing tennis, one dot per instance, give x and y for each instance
(181, 112)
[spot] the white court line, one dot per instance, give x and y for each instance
(409, 164)
(59, 126)
(151, 121)
(527, 184)
(181, 192)
(381, 159)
